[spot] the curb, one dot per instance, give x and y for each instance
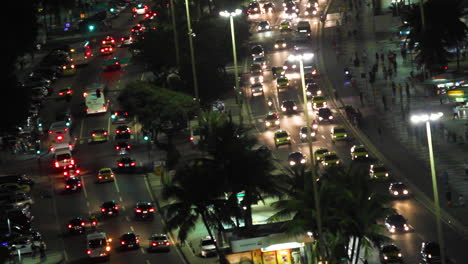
(358, 134)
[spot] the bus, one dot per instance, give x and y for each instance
(80, 53)
(95, 99)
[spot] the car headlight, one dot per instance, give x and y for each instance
(330, 117)
(337, 162)
(345, 135)
(308, 5)
(267, 27)
(324, 104)
(318, 158)
(303, 135)
(259, 28)
(406, 227)
(267, 123)
(294, 107)
(319, 92)
(261, 78)
(277, 122)
(308, 93)
(252, 79)
(283, 109)
(312, 134)
(367, 155)
(260, 89)
(333, 136)
(292, 163)
(276, 46)
(277, 140)
(284, 45)
(255, 9)
(395, 193)
(400, 255)
(306, 13)
(386, 174)
(314, 12)
(294, 66)
(429, 256)
(303, 161)
(320, 118)
(385, 257)
(405, 192)
(288, 138)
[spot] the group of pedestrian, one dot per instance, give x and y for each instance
(448, 191)
(38, 246)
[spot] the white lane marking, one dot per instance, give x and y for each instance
(116, 184)
(142, 76)
(108, 125)
(118, 80)
(148, 262)
(131, 228)
(65, 255)
(84, 189)
(87, 203)
(323, 137)
(82, 128)
(123, 208)
(89, 213)
(143, 251)
(149, 189)
(120, 198)
(127, 218)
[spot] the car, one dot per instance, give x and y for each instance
(120, 116)
(430, 252)
(39, 80)
(140, 9)
(390, 254)
(76, 225)
(312, 89)
(285, 26)
(303, 133)
(126, 41)
(253, 8)
(338, 133)
(330, 159)
(324, 114)
(105, 175)
(123, 147)
(64, 116)
(398, 190)
(256, 68)
(281, 44)
(291, 13)
(159, 242)
(319, 154)
(21, 244)
(277, 71)
(126, 162)
(296, 159)
(290, 65)
(150, 15)
(108, 40)
(129, 240)
(272, 120)
(263, 26)
(68, 69)
(257, 50)
(99, 135)
(62, 93)
(207, 246)
(63, 158)
(98, 245)
(144, 210)
(47, 73)
(359, 152)
(256, 77)
(106, 49)
(123, 132)
(289, 106)
(319, 101)
(268, 7)
(261, 61)
(257, 89)
(396, 223)
(73, 184)
(311, 11)
(110, 208)
(137, 29)
(290, 5)
(282, 137)
(282, 83)
(311, 3)
(16, 199)
(71, 172)
(20, 217)
(378, 171)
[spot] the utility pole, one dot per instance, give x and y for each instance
(174, 28)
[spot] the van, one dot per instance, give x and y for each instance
(63, 158)
(98, 245)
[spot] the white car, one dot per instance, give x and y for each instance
(98, 245)
(63, 158)
(140, 9)
(207, 246)
(21, 244)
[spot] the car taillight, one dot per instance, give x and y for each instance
(83, 223)
(103, 42)
(50, 131)
(116, 207)
(69, 92)
(60, 93)
(108, 248)
(102, 50)
(122, 242)
(77, 171)
(133, 164)
(105, 133)
(138, 210)
(122, 39)
(88, 252)
(112, 175)
(151, 210)
(72, 161)
(154, 244)
(67, 186)
(59, 138)
(103, 209)
(117, 147)
(191, 138)
(57, 164)
(66, 129)
(79, 184)
(69, 226)
(52, 149)
(129, 130)
(129, 147)
(65, 173)
(117, 131)
(94, 134)
(138, 240)
(99, 177)
(120, 164)
(110, 49)
(168, 243)
(113, 41)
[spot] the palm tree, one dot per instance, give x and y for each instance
(191, 198)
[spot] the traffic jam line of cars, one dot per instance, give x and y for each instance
(283, 78)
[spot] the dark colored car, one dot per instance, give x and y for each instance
(123, 146)
(312, 89)
(126, 162)
(120, 116)
(390, 254)
(296, 159)
(129, 241)
(110, 208)
(144, 210)
(398, 190)
(253, 8)
(257, 50)
(396, 223)
(303, 133)
(123, 132)
(20, 218)
(289, 106)
(76, 225)
(325, 114)
(159, 242)
(73, 184)
(47, 73)
(430, 252)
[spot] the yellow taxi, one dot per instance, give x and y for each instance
(359, 152)
(99, 135)
(280, 44)
(319, 101)
(68, 69)
(105, 175)
(338, 133)
(282, 138)
(285, 26)
(319, 154)
(378, 171)
(282, 83)
(330, 159)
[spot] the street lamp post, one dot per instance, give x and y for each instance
(192, 53)
(427, 118)
(174, 28)
(301, 58)
(231, 16)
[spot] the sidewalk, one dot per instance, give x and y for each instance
(52, 257)
(393, 115)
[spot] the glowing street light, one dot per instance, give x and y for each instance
(427, 118)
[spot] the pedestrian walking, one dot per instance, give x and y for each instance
(382, 57)
(385, 73)
(42, 249)
(384, 101)
(448, 197)
(407, 88)
(455, 112)
(445, 177)
(390, 73)
(393, 88)
(379, 131)
(361, 98)
(461, 200)
(411, 73)
(403, 53)
(400, 89)
(377, 57)
(446, 134)
(33, 249)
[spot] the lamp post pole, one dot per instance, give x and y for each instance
(427, 118)
(309, 141)
(174, 28)
(192, 53)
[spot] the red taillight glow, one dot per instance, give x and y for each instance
(116, 207)
(94, 134)
(67, 186)
(138, 240)
(50, 131)
(59, 138)
(138, 210)
(191, 138)
(122, 242)
(103, 209)
(133, 164)
(65, 173)
(154, 244)
(112, 175)
(69, 226)
(117, 131)
(72, 161)
(88, 252)
(52, 149)
(129, 147)
(99, 177)
(79, 184)
(105, 133)
(120, 164)
(104, 42)
(77, 171)
(117, 147)
(60, 93)
(66, 129)
(83, 223)
(57, 164)
(151, 210)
